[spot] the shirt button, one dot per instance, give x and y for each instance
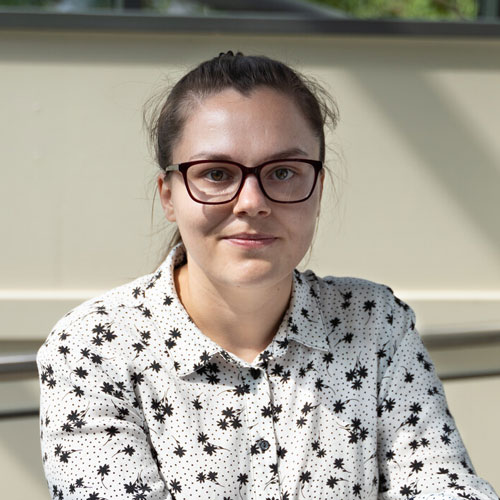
(264, 445)
(255, 372)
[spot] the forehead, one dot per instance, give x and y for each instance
(245, 127)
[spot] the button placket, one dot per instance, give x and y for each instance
(263, 445)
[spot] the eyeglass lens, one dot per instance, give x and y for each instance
(284, 181)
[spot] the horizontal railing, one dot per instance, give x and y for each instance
(20, 366)
(445, 340)
(254, 23)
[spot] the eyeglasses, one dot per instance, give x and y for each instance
(214, 182)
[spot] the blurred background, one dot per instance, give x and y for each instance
(413, 199)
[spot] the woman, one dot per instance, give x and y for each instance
(227, 373)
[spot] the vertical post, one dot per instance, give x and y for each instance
(489, 9)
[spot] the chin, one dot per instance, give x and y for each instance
(252, 274)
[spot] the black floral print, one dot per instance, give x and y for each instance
(136, 403)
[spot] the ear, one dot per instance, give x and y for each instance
(321, 182)
(165, 192)
(321, 185)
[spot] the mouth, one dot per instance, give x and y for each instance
(251, 240)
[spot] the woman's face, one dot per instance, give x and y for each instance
(251, 241)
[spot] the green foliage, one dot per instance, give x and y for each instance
(374, 9)
(406, 9)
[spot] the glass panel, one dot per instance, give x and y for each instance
(418, 10)
(59, 5)
(162, 7)
(428, 10)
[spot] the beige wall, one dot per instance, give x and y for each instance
(418, 174)
(416, 168)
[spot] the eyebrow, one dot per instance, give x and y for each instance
(210, 155)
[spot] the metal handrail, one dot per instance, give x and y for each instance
(446, 339)
(25, 364)
(18, 364)
(22, 365)
(23, 413)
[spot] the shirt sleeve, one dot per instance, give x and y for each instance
(94, 440)
(421, 454)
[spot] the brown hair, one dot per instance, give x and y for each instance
(165, 116)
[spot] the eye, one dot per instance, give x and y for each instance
(217, 175)
(282, 173)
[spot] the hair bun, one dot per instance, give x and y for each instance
(229, 53)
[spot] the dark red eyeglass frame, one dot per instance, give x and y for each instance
(246, 171)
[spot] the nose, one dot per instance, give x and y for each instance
(251, 200)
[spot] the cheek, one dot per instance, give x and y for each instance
(302, 225)
(195, 220)
(307, 215)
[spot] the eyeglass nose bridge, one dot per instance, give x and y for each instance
(245, 173)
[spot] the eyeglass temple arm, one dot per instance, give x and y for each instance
(171, 168)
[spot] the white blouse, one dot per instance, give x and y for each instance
(344, 403)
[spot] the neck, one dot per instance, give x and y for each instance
(242, 320)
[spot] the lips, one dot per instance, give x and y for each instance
(251, 236)
(251, 240)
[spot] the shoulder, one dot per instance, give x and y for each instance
(94, 322)
(360, 303)
(350, 288)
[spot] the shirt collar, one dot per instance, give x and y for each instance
(191, 350)
(306, 324)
